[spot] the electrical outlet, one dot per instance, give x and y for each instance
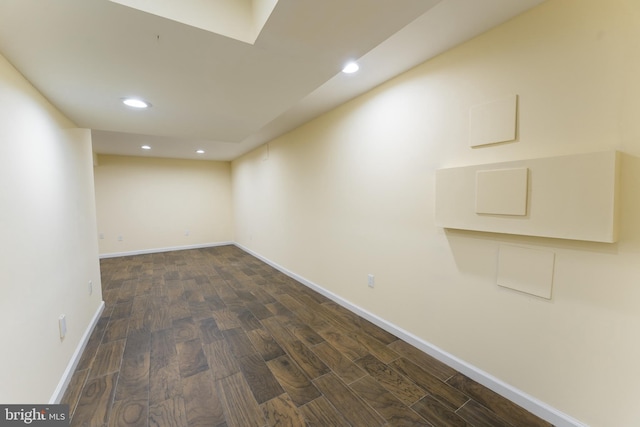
(120, 238)
(186, 232)
(371, 280)
(62, 324)
(101, 236)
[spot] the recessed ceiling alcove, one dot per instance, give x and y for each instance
(242, 20)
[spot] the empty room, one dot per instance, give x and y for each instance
(320, 213)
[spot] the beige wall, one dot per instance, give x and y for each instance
(351, 193)
(48, 244)
(153, 202)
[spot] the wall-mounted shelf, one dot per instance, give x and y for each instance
(567, 197)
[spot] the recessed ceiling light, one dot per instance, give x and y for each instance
(135, 103)
(200, 151)
(351, 67)
(146, 147)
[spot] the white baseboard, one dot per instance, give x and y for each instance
(57, 395)
(169, 249)
(530, 403)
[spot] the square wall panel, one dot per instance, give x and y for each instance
(526, 270)
(493, 122)
(502, 191)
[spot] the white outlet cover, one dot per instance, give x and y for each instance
(62, 324)
(371, 280)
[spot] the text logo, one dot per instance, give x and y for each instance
(34, 415)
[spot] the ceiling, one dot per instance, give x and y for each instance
(212, 90)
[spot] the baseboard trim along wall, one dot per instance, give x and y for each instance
(57, 395)
(158, 250)
(526, 401)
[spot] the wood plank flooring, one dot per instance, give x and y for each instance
(214, 337)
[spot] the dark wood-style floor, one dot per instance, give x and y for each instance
(215, 337)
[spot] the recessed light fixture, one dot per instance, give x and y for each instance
(350, 68)
(200, 151)
(135, 103)
(146, 147)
